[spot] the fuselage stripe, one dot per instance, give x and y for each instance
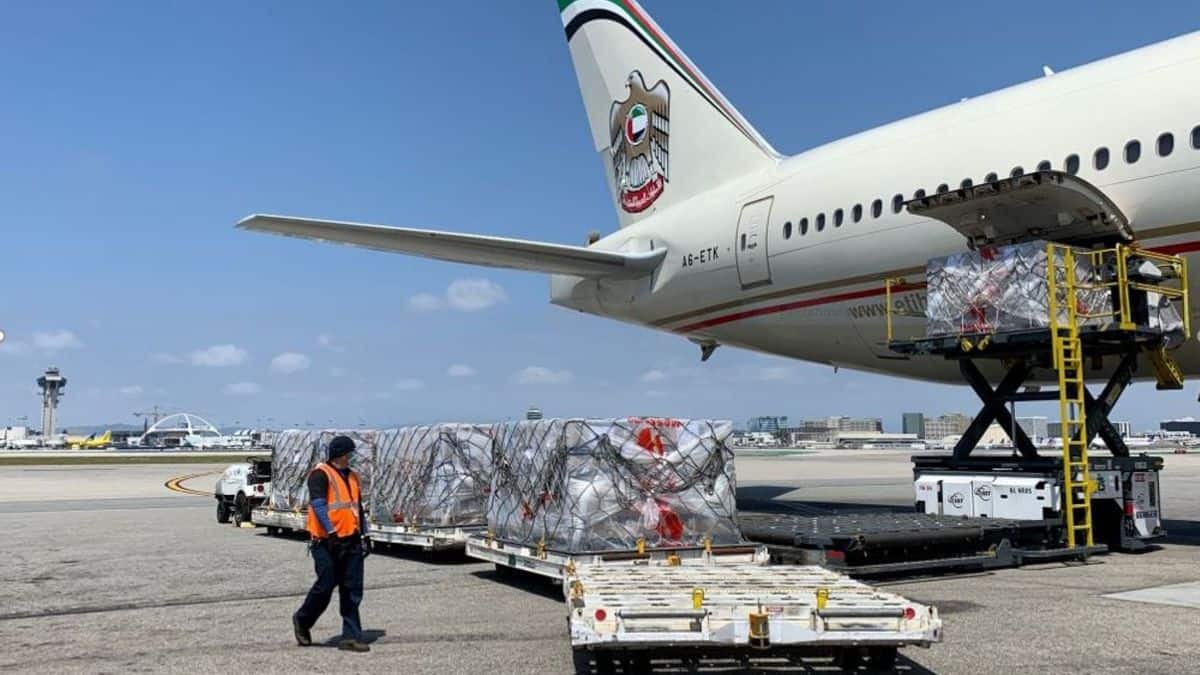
(797, 304)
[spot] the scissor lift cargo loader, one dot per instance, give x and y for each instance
(1087, 229)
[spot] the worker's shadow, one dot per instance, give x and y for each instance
(369, 636)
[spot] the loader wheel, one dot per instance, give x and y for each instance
(222, 511)
(272, 531)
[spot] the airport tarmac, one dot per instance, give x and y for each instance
(107, 570)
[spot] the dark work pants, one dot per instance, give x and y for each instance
(341, 568)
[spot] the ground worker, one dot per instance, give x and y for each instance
(338, 547)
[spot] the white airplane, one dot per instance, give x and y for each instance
(726, 242)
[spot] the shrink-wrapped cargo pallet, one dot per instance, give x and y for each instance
(1004, 288)
(436, 476)
(596, 485)
(297, 452)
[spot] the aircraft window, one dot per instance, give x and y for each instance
(1100, 160)
(838, 216)
(1044, 165)
(1072, 164)
(876, 208)
(966, 183)
(743, 242)
(804, 226)
(943, 188)
(1196, 138)
(1133, 151)
(787, 230)
(990, 178)
(1017, 171)
(897, 203)
(1166, 144)
(820, 222)
(857, 212)
(918, 194)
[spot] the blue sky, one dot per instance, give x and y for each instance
(134, 135)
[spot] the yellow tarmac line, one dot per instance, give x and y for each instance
(176, 484)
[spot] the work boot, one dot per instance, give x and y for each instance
(354, 646)
(303, 636)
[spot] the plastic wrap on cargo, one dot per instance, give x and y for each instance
(1003, 288)
(297, 452)
(437, 475)
(594, 485)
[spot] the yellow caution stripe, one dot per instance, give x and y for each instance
(176, 484)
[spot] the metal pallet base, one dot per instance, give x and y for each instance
(558, 564)
(426, 538)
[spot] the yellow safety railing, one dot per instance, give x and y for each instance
(1108, 269)
(896, 284)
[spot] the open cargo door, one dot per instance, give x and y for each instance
(1049, 205)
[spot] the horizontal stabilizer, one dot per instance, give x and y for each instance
(473, 249)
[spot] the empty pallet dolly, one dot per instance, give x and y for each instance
(638, 617)
(557, 564)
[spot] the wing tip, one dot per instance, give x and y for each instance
(252, 221)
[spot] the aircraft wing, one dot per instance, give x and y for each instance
(474, 249)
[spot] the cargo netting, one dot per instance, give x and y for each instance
(297, 452)
(599, 485)
(437, 475)
(1003, 288)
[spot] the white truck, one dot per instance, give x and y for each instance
(241, 488)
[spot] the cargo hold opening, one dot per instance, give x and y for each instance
(1048, 205)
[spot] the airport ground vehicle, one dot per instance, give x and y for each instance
(241, 488)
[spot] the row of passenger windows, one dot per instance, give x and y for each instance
(1164, 145)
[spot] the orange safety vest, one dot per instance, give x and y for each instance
(343, 507)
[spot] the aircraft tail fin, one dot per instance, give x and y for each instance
(663, 131)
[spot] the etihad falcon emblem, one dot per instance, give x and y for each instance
(639, 128)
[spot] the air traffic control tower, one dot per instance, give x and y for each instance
(52, 385)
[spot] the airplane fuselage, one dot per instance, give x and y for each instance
(807, 280)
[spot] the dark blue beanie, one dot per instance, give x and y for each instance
(340, 445)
